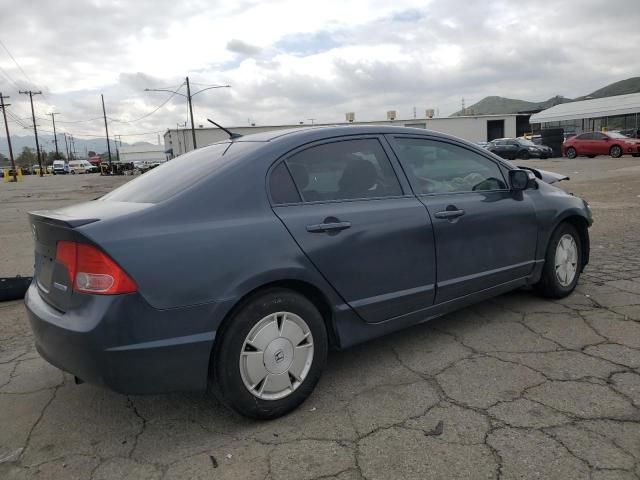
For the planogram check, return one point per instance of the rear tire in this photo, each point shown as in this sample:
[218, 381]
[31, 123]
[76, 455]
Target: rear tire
[562, 263]
[270, 356]
[571, 153]
[615, 151]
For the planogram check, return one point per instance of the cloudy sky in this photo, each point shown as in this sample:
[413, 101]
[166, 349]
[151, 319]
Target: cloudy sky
[290, 60]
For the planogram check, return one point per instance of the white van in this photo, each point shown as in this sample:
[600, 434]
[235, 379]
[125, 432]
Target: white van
[81, 166]
[60, 167]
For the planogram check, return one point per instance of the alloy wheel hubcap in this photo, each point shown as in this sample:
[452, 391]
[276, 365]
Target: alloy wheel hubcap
[276, 356]
[566, 260]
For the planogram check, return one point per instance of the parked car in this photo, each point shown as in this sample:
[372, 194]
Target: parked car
[81, 166]
[60, 167]
[600, 143]
[631, 132]
[239, 264]
[526, 145]
[504, 147]
[522, 147]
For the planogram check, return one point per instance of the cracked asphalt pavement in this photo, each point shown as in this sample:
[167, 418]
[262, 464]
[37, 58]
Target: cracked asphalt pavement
[515, 387]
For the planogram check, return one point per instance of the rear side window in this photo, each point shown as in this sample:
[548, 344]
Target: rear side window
[178, 174]
[344, 170]
[439, 167]
[281, 186]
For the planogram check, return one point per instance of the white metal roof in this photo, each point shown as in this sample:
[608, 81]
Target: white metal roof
[595, 108]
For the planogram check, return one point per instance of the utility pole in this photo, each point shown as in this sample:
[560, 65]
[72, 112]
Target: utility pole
[106, 129]
[193, 129]
[55, 137]
[118, 138]
[3, 106]
[43, 154]
[35, 129]
[66, 144]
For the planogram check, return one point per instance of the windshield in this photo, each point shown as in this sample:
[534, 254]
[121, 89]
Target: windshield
[616, 135]
[178, 174]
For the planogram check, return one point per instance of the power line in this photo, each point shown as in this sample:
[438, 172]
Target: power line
[9, 78]
[15, 61]
[147, 114]
[72, 121]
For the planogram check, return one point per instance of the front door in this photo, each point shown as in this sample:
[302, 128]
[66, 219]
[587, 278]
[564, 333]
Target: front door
[369, 239]
[485, 234]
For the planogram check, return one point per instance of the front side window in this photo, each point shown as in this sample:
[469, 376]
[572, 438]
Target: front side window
[344, 170]
[439, 167]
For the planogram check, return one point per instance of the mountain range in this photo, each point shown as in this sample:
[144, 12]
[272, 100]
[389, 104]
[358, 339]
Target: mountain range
[501, 105]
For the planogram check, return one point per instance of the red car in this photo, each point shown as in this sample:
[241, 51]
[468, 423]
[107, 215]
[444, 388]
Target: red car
[597, 143]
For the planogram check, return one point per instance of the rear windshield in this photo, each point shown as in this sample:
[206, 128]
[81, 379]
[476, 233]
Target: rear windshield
[176, 175]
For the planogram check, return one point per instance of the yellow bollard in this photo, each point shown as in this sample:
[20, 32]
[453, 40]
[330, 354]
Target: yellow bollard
[20, 178]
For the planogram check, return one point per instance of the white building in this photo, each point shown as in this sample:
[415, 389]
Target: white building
[142, 153]
[474, 128]
[620, 112]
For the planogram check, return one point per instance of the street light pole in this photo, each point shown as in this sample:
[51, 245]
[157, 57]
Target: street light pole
[106, 129]
[66, 145]
[55, 137]
[193, 128]
[189, 97]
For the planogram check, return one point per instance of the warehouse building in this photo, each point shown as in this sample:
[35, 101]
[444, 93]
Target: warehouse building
[143, 152]
[608, 113]
[474, 128]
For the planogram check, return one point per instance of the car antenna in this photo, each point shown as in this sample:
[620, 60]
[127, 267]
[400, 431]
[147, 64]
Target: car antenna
[229, 132]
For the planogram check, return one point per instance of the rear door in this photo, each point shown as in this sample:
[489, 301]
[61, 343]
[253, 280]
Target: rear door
[600, 143]
[485, 234]
[367, 235]
[585, 144]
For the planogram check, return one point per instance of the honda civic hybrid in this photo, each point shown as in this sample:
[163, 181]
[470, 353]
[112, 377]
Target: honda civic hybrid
[239, 265]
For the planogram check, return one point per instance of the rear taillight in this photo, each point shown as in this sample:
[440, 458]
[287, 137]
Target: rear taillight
[92, 271]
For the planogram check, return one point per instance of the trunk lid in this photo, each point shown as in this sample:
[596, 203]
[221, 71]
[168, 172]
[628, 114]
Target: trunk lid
[51, 226]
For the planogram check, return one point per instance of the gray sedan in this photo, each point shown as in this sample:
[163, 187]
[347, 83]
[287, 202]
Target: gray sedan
[238, 265]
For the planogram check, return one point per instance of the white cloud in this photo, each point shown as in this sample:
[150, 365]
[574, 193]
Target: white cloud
[289, 60]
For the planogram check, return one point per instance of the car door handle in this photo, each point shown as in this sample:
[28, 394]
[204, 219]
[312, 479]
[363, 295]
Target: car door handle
[449, 214]
[328, 227]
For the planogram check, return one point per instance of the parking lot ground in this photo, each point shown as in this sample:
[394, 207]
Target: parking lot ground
[515, 387]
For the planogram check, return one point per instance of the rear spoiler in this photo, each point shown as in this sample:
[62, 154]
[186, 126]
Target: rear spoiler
[55, 218]
[546, 176]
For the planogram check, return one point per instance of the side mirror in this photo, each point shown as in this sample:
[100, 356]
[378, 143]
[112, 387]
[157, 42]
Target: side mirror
[519, 180]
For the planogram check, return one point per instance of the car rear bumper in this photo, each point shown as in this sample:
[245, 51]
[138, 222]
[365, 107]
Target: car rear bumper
[123, 343]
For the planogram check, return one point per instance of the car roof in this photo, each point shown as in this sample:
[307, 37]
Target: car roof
[319, 132]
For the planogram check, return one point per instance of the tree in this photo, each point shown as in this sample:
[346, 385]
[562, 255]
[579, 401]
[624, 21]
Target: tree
[3, 158]
[27, 157]
[91, 153]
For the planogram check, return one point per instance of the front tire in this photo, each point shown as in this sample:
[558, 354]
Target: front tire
[524, 155]
[571, 153]
[271, 354]
[562, 264]
[615, 151]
